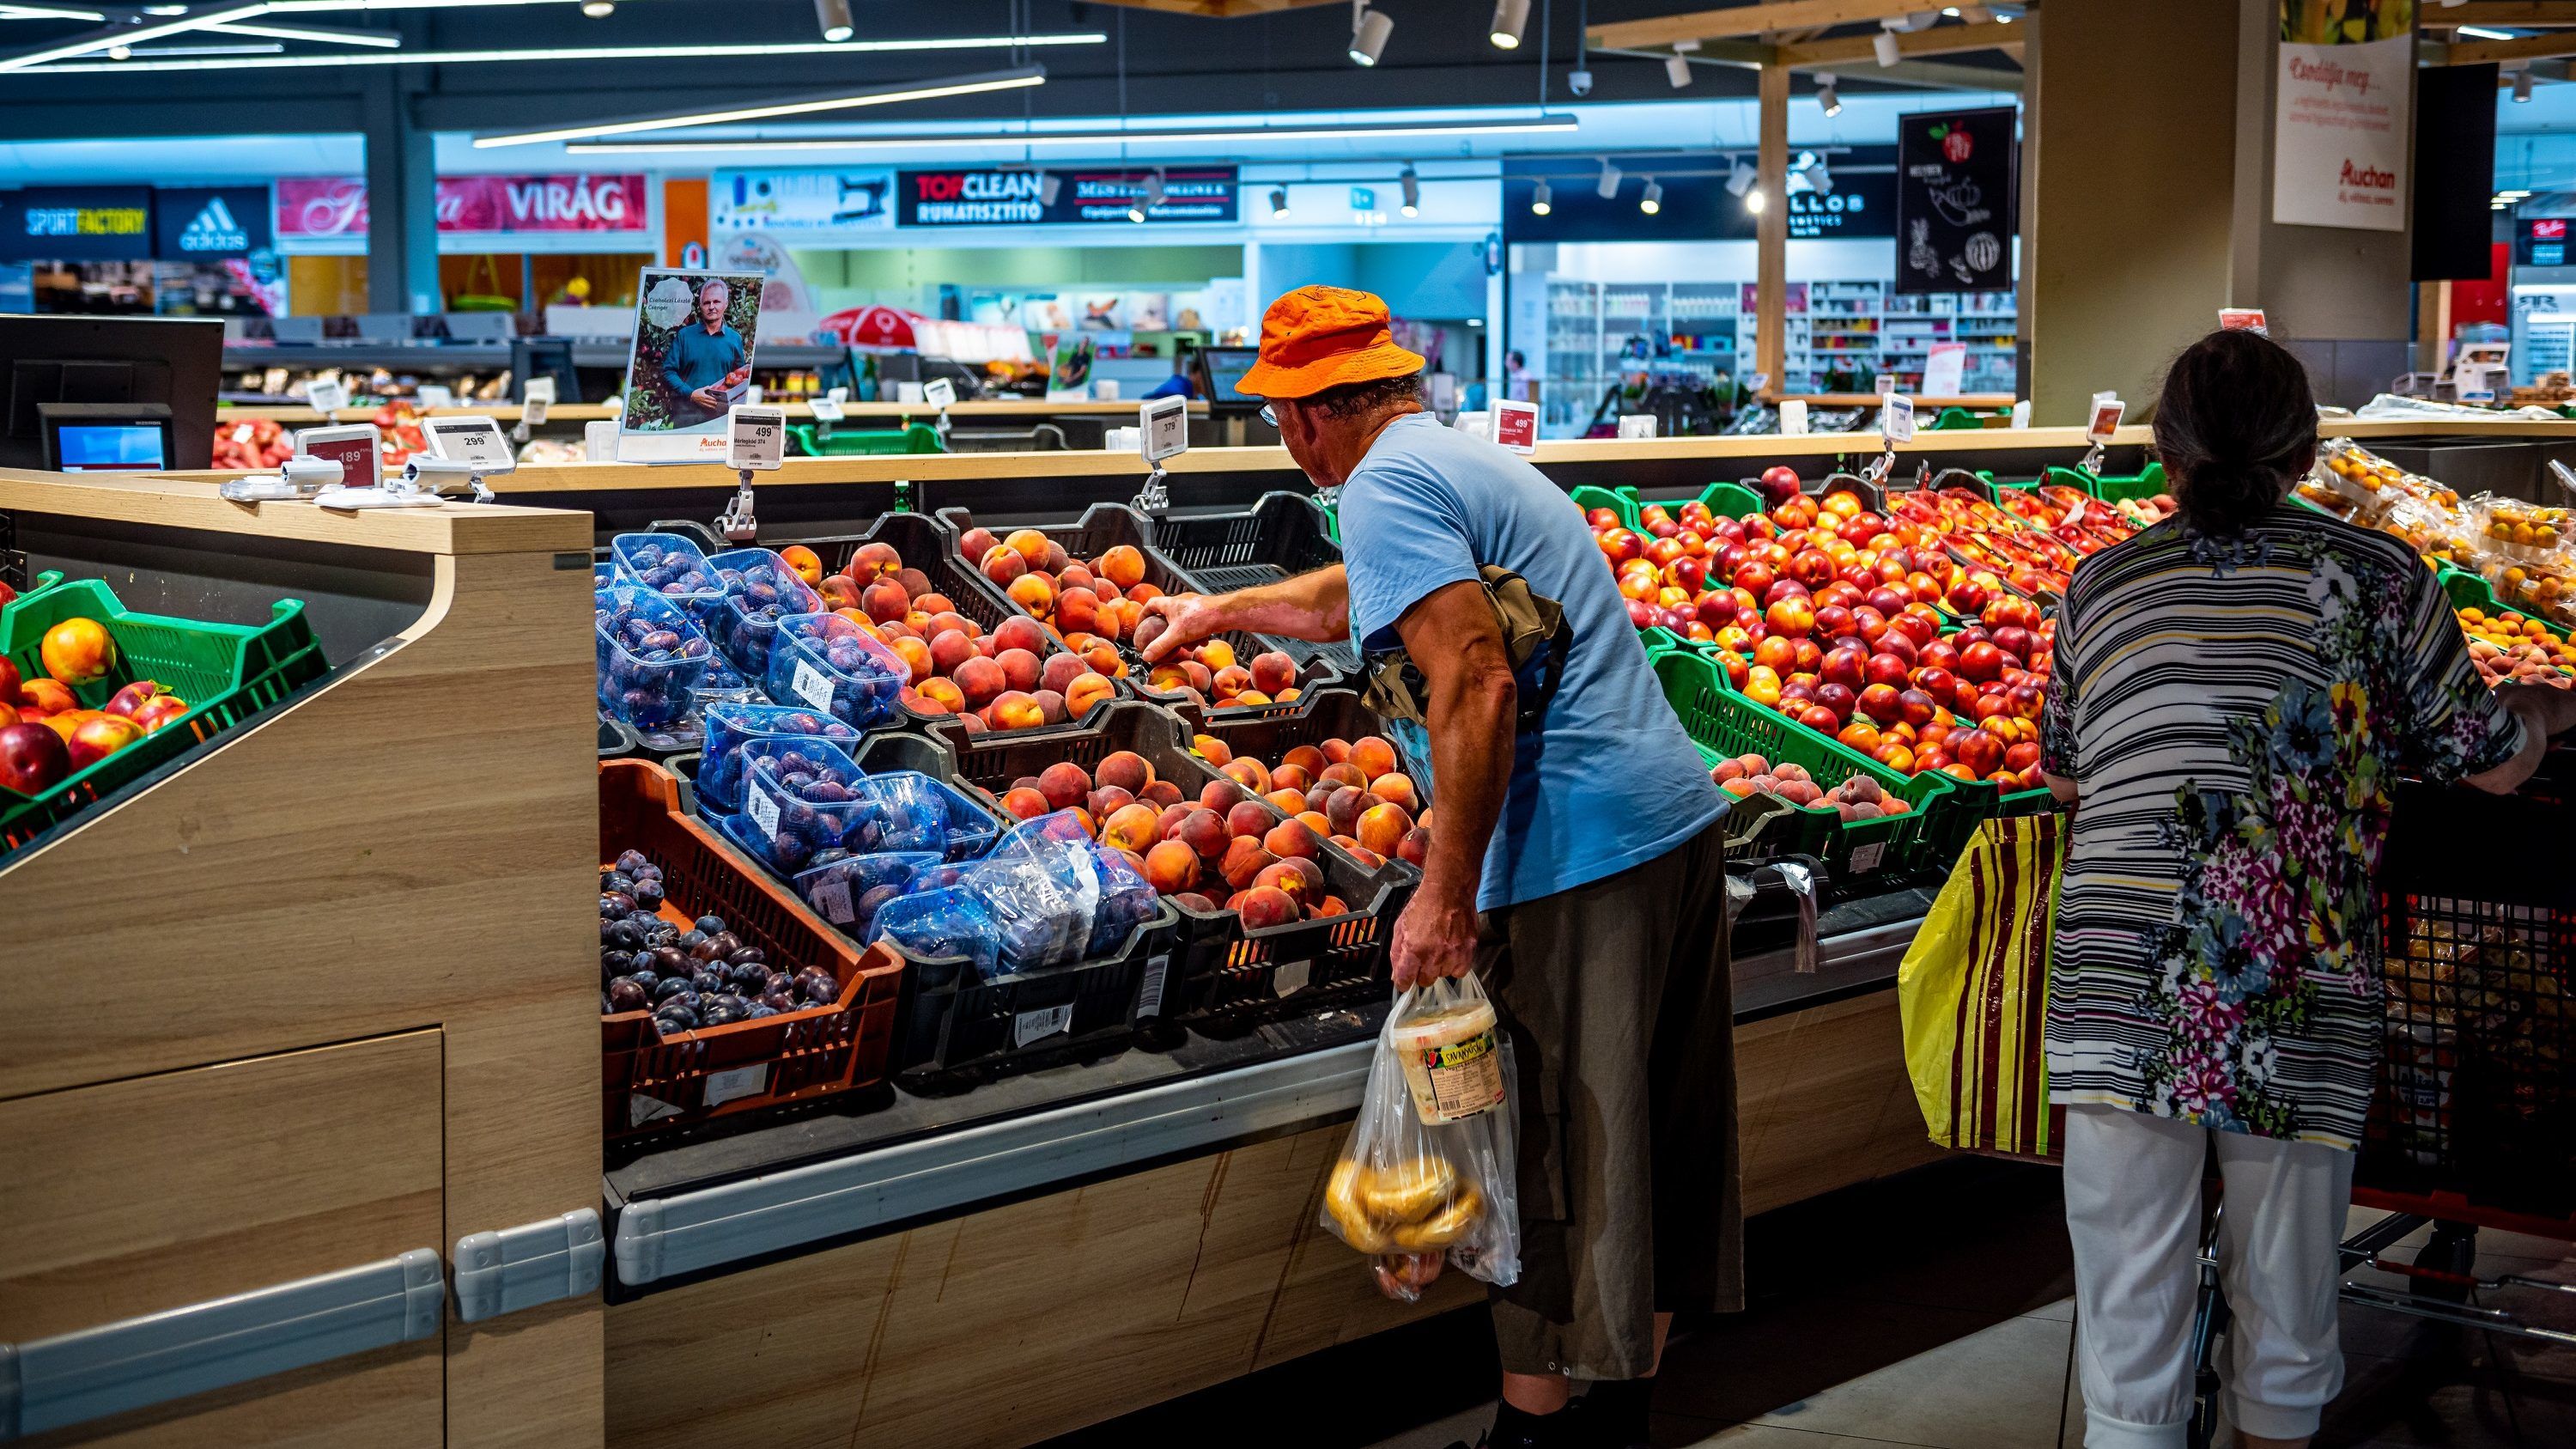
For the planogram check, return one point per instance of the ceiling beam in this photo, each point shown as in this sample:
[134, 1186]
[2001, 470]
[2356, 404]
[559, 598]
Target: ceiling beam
[2530, 13]
[2529, 47]
[1913, 45]
[1763, 19]
[1219, 9]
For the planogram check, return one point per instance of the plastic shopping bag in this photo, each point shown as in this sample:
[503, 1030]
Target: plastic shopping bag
[1428, 1173]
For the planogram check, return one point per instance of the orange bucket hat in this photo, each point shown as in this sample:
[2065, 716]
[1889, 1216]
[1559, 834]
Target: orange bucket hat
[1323, 337]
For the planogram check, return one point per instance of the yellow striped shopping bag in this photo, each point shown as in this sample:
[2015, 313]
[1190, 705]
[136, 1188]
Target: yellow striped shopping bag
[1973, 991]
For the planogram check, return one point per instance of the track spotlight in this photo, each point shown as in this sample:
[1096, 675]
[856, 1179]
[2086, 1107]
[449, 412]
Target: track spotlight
[1050, 186]
[1828, 98]
[2522, 85]
[1154, 189]
[1412, 190]
[1812, 169]
[1279, 203]
[1369, 30]
[1542, 200]
[1652, 199]
[1511, 17]
[1885, 46]
[1741, 179]
[1754, 201]
[834, 17]
[599, 9]
[1609, 187]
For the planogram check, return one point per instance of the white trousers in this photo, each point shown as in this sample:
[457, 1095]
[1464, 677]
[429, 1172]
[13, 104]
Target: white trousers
[2133, 1211]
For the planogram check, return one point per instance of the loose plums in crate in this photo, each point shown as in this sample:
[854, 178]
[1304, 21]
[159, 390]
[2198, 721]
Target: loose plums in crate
[689, 976]
[651, 658]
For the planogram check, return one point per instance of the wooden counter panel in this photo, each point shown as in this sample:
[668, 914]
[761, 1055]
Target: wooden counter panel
[384, 1399]
[1327, 1295]
[1823, 1101]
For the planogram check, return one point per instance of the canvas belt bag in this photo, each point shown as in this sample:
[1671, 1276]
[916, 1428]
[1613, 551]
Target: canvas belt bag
[1533, 625]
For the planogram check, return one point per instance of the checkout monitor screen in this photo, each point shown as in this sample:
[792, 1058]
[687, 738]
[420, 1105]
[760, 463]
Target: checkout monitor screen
[1225, 366]
[112, 447]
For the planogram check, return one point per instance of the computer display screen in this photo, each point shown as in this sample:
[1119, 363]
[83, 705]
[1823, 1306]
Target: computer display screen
[112, 447]
[1223, 368]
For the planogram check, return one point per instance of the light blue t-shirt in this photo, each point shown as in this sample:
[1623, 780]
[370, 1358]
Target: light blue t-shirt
[1608, 780]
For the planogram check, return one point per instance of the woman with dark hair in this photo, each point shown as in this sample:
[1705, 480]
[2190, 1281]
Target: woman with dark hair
[2233, 693]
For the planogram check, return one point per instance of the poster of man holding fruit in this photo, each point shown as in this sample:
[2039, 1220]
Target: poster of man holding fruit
[694, 335]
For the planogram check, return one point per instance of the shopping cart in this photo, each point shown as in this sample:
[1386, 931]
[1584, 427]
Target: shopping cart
[2474, 1121]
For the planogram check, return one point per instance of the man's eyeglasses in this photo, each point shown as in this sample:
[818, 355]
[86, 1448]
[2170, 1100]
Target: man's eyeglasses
[1268, 416]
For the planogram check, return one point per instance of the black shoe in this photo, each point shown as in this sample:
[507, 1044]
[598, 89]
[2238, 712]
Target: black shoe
[1589, 1429]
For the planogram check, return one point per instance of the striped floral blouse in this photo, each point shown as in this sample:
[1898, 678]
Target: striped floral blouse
[2235, 710]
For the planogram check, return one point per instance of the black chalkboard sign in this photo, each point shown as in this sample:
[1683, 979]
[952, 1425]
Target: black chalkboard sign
[1958, 203]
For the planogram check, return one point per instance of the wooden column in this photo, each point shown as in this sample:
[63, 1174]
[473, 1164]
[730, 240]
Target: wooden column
[2433, 326]
[1771, 231]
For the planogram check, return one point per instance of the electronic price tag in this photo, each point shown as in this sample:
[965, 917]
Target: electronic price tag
[358, 448]
[830, 407]
[537, 395]
[2243, 319]
[1896, 419]
[755, 441]
[1637, 425]
[1516, 426]
[1162, 431]
[1757, 383]
[1885, 384]
[2099, 426]
[433, 397]
[940, 393]
[327, 397]
[472, 440]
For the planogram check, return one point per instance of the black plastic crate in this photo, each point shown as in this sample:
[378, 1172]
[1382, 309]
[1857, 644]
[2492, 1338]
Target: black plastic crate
[1283, 535]
[948, 1021]
[2477, 1089]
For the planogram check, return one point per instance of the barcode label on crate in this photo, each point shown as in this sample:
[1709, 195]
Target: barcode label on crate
[764, 811]
[1149, 1002]
[813, 686]
[723, 1087]
[1030, 1026]
[832, 898]
[1291, 977]
[1864, 858]
[641, 1109]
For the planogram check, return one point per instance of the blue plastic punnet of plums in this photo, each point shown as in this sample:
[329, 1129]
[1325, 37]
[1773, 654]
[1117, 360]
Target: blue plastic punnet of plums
[941, 921]
[849, 892]
[666, 563]
[732, 724]
[759, 590]
[827, 662]
[651, 658]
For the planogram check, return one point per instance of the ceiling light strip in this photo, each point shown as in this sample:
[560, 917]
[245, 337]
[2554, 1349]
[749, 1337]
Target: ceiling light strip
[50, 12]
[1129, 137]
[1009, 80]
[374, 39]
[585, 52]
[98, 40]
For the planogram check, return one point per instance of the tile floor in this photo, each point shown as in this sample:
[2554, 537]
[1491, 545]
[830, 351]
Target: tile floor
[1932, 1310]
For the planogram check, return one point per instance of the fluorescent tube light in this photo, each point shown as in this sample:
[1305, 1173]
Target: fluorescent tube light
[886, 95]
[579, 52]
[373, 39]
[2480, 32]
[248, 47]
[1122, 136]
[50, 12]
[128, 35]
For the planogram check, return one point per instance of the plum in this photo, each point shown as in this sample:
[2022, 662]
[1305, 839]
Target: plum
[710, 924]
[625, 995]
[669, 987]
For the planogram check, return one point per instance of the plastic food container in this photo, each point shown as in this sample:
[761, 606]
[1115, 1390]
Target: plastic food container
[667, 564]
[759, 590]
[1452, 1060]
[651, 658]
[804, 798]
[849, 892]
[829, 663]
[731, 724]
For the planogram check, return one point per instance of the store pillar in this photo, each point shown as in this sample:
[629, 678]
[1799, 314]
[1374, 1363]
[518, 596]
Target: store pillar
[402, 203]
[1771, 232]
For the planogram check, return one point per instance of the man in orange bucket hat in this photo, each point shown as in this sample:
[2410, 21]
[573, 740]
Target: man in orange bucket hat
[1576, 860]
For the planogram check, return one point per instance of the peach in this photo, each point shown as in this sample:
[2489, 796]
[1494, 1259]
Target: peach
[1026, 803]
[838, 591]
[1273, 671]
[884, 600]
[1221, 794]
[1336, 751]
[916, 659]
[1132, 828]
[1161, 792]
[1103, 658]
[1368, 859]
[1077, 608]
[1064, 783]
[916, 584]
[1249, 818]
[1125, 769]
[1203, 830]
[1249, 773]
[1107, 800]
[878, 558]
[1167, 679]
[1111, 621]
[1344, 807]
[1309, 876]
[979, 680]
[1193, 901]
[1316, 795]
[1416, 846]
[1030, 544]
[1230, 681]
[1217, 654]
[1344, 773]
[99, 736]
[1017, 632]
[947, 619]
[945, 694]
[1289, 838]
[1060, 671]
[1211, 749]
[977, 542]
[1171, 867]
[1200, 676]
[1167, 824]
[1382, 827]
[1289, 802]
[1086, 691]
[935, 604]
[1314, 820]
[1249, 699]
[1012, 710]
[1372, 756]
[1244, 859]
[1033, 593]
[1020, 667]
[1306, 758]
[1266, 906]
[1395, 788]
[1124, 566]
[949, 649]
[1052, 705]
[1331, 906]
[1291, 777]
[1142, 593]
[1056, 558]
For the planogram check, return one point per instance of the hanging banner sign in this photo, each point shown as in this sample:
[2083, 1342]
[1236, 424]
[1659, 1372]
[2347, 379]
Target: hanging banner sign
[801, 203]
[1019, 198]
[2342, 117]
[1958, 203]
[77, 224]
[336, 206]
[210, 222]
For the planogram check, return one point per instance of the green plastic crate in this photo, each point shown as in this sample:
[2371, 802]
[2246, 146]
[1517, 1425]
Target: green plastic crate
[1954, 418]
[1725, 724]
[1726, 500]
[2467, 590]
[814, 442]
[1585, 498]
[228, 673]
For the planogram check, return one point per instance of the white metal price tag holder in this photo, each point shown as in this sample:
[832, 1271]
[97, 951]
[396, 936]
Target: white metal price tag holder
[1162, 431]
[1895, 425]
[755, 442]
[2099, 425]
[534, 399]
[940, 393]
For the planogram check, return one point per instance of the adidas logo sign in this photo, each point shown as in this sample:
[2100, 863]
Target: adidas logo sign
[214, 230]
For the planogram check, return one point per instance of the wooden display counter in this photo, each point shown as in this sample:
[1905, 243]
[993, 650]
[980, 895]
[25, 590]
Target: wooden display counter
[504, 412]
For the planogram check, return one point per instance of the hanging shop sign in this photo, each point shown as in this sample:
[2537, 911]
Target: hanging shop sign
[2342, 115]
[77, 224]
[936, 199]
[801, 203]
[210, 222]
[1856, 202]
[321, 207]
[1957, 201]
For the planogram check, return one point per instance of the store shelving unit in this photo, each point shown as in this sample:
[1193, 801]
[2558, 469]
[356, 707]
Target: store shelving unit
[1983, 321]
[1600, 332]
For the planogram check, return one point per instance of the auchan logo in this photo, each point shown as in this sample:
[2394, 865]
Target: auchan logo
[2367, 176]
